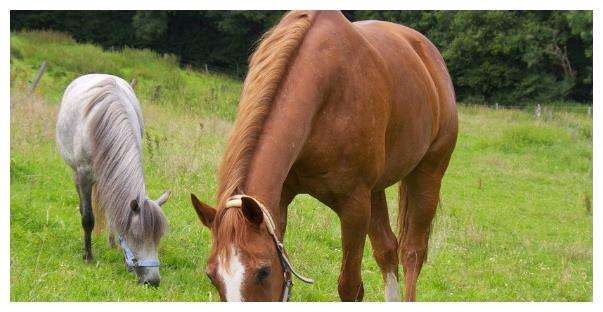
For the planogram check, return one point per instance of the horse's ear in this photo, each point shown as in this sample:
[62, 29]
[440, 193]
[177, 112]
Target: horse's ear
[205, 212]
[251, 210]
[163, 198]
[134, 205]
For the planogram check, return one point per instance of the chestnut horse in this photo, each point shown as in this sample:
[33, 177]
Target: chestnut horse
[340, 111]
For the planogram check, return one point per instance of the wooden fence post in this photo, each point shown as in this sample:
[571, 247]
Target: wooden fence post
[39, 74]
[156, 93]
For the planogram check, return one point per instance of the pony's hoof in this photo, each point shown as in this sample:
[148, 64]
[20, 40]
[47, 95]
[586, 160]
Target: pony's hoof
[112, 243]
[88, 258]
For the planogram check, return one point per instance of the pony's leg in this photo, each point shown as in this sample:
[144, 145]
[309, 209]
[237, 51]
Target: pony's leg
[423, 187]
[112, 243]
[385, 245]
[84, 187]
[354, 214]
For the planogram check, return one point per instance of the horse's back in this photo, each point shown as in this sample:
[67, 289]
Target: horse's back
[82, 99]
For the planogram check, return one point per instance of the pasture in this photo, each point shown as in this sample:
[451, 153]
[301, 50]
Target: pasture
[515, 222]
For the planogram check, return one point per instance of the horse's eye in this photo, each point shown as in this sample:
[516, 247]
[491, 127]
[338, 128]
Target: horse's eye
[263, 273]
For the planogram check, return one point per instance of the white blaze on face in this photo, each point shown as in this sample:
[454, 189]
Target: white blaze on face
[392, 290]
[232, 275]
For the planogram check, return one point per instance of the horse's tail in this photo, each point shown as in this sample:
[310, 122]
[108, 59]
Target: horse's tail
[402, 217]
[98, 212]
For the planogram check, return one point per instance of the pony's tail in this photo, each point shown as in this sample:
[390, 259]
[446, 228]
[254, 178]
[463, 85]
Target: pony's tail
[402, 217]
[100, 222]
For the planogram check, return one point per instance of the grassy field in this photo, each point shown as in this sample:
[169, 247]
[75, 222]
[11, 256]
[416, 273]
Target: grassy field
[515, 222]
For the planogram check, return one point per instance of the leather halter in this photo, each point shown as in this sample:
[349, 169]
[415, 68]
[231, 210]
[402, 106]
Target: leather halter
[235, 201]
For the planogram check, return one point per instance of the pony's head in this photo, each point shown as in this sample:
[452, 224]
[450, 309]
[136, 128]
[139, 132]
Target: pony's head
[140, 239]
[245, 263]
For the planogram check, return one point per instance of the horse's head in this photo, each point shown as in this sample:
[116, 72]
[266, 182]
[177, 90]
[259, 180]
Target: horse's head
[245, 263]
[140, 239]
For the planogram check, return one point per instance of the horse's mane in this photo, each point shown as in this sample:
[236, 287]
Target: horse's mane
[229, 231]
[267, 67]
[117, 160]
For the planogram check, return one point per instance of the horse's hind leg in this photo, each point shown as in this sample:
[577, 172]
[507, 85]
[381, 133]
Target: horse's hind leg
[385, 245]
[421, 199]
[84, 188]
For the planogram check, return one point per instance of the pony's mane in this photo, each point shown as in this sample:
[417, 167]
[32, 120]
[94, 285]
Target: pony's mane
[117, 160]
[267, 67]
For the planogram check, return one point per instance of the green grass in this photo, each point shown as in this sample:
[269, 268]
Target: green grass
[159, 79]
[514, 223]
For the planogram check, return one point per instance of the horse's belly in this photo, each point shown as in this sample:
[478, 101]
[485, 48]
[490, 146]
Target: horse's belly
[345, 152]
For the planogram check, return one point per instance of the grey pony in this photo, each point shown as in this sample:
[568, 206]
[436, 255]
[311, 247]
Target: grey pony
[99, 134]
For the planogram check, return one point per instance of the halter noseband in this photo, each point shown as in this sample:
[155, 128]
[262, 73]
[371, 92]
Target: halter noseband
[235, 201]
[131, 261]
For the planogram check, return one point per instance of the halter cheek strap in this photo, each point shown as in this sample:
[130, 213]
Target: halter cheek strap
[235, 201]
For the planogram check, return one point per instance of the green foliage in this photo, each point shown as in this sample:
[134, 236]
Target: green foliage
[509, 56]
[221, 39]
[493, 56]
[150, 25]
[514, 224]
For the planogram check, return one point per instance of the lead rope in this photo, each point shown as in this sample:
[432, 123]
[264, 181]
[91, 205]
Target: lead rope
[235, 201]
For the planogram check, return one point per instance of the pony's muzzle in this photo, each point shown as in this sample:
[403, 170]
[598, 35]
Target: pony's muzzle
[152, 282]
[148, 276]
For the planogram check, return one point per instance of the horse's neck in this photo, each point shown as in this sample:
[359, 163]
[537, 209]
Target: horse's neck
[283, 136]
[126, 188]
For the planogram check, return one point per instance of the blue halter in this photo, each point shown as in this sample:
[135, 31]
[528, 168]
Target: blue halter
[131, 261]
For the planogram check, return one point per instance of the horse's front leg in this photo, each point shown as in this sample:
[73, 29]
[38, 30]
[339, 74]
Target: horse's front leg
[84, 187]
[354, 214]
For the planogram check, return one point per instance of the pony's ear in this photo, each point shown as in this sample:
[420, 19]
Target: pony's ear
[251, 210]
[134, 205]
[205, 212]
[163, 198]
